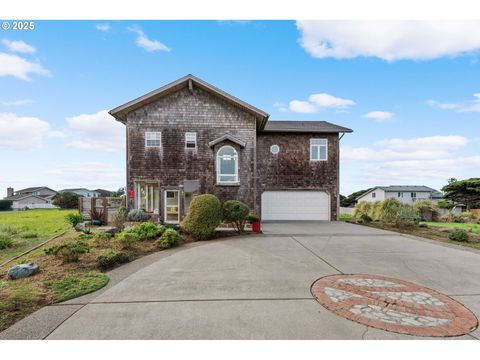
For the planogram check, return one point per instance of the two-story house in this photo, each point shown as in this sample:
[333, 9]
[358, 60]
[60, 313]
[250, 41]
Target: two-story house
[189, 137]
[407, 194]
[32, 197]
[82, 192]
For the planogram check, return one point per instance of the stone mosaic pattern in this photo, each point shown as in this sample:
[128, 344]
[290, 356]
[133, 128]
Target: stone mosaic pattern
[414, 297]
[393, 305]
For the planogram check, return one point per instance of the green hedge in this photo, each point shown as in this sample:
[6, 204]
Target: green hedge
[203, 217]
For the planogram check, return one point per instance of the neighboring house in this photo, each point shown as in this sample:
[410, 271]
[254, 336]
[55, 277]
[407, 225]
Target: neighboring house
[189, 137]
[82, 192]
[407, 194]
[39, 197]
[103, 192]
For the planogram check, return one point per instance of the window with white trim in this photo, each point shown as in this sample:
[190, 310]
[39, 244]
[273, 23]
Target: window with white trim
[153, 139]
[227, 165]
[318, 149]
[190, 140]
[374, 195]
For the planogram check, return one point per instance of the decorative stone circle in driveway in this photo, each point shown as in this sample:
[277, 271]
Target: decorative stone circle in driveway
[393, 305]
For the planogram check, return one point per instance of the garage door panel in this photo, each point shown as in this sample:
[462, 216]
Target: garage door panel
[295, 205]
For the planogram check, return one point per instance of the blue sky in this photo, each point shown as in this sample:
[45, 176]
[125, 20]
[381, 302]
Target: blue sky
[406, 88]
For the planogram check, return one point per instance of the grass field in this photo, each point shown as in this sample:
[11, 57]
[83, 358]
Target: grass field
[29, 228]
[475, 228]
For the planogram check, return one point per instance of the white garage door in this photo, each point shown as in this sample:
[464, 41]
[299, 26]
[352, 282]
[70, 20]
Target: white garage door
[295, 205]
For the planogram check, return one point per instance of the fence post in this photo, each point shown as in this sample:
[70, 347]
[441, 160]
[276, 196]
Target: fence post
[105, 211]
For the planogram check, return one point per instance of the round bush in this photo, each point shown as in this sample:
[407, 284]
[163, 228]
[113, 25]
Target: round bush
[170, 238]
[236, 213]
[458, 235]
[203, 216]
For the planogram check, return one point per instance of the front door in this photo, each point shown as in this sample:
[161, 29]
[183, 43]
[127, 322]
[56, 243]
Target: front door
[172, 207]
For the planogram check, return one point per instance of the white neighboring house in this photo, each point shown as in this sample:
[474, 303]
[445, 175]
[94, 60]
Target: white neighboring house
[39, 197]
[407, 194]
[83, 192]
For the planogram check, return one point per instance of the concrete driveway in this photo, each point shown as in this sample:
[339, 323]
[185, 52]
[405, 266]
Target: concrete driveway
[255, 287]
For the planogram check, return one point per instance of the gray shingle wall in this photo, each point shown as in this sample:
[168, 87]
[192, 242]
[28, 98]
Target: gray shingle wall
[291, 168]
[171, 164]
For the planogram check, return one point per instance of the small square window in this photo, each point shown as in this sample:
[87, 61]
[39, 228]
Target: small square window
[190, 140]
[318, 149]
[374, 195]
[153, 139]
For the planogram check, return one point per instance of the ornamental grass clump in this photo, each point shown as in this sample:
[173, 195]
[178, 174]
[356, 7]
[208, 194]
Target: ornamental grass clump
[203, 217]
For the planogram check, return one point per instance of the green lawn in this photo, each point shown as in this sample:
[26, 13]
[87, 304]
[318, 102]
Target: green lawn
[466, 226]
[29, 228]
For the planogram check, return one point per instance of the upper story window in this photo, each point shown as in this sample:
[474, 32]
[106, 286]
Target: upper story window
[227, 165]
[153, 139]
[400, 194]
[374, 195]
[413, 194]
[190, 140]
[318, 149]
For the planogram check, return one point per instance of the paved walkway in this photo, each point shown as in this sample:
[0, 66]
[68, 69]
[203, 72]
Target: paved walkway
[255, 287]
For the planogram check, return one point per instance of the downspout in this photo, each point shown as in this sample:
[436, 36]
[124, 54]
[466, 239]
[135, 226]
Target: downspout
[338, 176]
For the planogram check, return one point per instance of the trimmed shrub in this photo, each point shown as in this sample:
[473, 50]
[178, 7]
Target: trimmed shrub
[126, 240]
[6, 205]
[458, 235]
[137, 215]
[74, 219]
[203, 216]
[235, 212]
[69, 251]
[145, 231]
[427, 210]
[109, 259]
[5, 241]
[169, 239]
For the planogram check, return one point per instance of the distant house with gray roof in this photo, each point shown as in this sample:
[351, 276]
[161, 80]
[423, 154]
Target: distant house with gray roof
[82, 192]
[407, 194]
[38, 197]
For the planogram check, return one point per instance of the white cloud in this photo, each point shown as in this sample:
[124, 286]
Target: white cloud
[415, 161]
[280, 107]
[103, 27]
[465, 106]
[87, 174]
[56, 134]
[98, 131]
[19, 67]
[18, 46]
[144, 42]
[18, 102]
[318, 102]
[379, 116]
[389, 40]
[21, 133]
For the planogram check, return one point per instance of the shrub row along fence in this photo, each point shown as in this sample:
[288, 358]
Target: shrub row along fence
[100, 208]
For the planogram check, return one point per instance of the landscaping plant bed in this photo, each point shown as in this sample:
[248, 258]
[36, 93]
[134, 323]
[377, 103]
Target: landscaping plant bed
[428, 232]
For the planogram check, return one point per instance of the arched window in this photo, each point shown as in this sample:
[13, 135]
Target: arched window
[227, 165]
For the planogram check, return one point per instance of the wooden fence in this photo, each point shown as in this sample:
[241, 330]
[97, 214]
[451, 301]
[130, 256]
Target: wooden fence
[106, 206]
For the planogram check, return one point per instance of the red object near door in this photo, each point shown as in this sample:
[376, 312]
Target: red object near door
[131, 194]
[256, 226]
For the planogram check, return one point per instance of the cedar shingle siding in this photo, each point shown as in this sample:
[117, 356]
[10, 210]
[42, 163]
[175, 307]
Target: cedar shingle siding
[198, 109]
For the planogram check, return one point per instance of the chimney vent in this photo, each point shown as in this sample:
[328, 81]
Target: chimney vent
[10, 191]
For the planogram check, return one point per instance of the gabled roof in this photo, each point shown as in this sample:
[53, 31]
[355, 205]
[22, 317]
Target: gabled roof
[33, 189]
[405, 188]
[304, 126]
[120, 113]
[22, 196]
[70, 190]
[227, 137]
